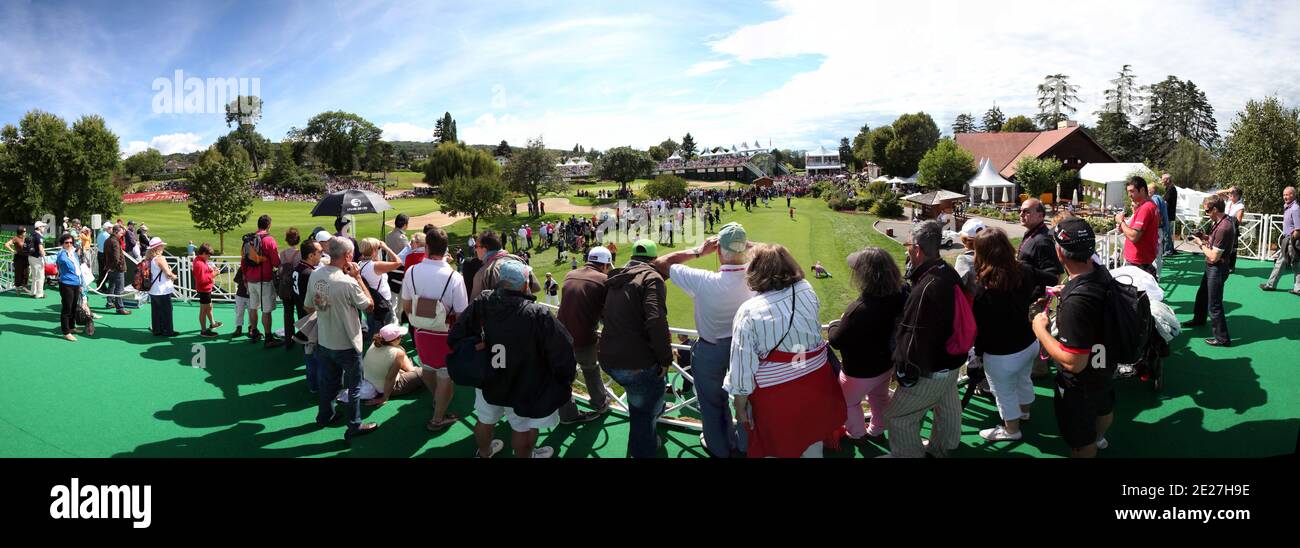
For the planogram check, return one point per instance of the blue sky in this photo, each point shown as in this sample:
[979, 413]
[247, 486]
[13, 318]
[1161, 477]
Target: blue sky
[605, 74]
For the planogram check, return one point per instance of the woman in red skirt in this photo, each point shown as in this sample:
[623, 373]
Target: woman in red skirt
[786, 392]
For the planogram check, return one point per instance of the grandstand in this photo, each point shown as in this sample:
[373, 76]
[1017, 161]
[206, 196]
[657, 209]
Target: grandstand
[744, 163]
[574, 168]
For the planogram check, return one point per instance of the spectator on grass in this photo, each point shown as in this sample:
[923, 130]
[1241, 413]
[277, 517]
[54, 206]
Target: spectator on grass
[203, 282]
[635, 348]
[538, 364]
[1003, 291]
[717, 296]
[161, 288]
[260, 277]
[864, 335]
[311, 253]
[785, 391]
[580, 310]
[924, 368]
[336, 293]
[433, 279]
[69, 268]
[389, 372]
[1084, 398]
[1142, 231]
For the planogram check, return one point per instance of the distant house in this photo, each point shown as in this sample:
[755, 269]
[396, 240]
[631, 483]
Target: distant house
[174, 166]
[1069, 144]
[501, 160]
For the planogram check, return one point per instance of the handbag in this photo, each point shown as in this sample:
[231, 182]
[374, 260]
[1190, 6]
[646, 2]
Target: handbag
[470, 361]
[428, 314]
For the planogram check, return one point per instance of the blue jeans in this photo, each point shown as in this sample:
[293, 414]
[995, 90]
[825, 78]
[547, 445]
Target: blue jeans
[339, 369]
[1209, 300]
[1168, 232]
[313, 372]
[645, 401]
[709, 364]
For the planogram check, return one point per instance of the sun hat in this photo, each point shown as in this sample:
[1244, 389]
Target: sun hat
[599, 255]
[392, 331]
[732, 237]
[156, 242]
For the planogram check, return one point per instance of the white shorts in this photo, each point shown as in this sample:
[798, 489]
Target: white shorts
[491, 414]
[261, 296]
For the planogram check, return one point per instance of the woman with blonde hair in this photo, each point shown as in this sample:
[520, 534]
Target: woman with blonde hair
[864, 335]
[786, 394]
[375, 273]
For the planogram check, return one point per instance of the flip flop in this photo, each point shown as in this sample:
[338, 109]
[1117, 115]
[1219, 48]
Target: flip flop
[447, 420]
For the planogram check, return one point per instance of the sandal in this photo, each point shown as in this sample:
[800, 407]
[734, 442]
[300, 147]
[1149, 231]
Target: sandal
[447, 420]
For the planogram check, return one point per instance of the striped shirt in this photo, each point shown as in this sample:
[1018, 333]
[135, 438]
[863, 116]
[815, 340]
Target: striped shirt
[760, 324]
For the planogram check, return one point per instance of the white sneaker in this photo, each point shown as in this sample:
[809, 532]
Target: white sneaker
[497, 446]
[1102, 443]
[998, 433]
[543, 452]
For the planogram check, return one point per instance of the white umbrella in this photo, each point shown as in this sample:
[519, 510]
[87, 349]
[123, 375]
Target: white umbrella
[986, 194]
[1076, 195]
[1006, 194]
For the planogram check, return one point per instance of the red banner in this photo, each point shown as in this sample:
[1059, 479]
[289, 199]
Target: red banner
[160, 196]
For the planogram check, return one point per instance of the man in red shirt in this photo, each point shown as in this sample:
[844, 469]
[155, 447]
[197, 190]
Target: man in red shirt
[261, 280]
[1142, 231]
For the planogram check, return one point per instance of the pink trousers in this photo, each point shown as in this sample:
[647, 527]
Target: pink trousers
[876, 391]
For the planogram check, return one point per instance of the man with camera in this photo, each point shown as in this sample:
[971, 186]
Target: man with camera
[1219, 246]
[1085, 394]
[1288, 244]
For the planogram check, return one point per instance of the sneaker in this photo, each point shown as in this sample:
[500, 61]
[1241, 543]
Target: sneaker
[1124, 371]
[1294, 292]
[208, 333]
[1216, 342]
[998, 433]
[69, 337]
[239, 330]
[583, 416]
[543, 452]
[272, 342]
[1265, 287]
[123, 312]
[367, 428]
[1102, 443]
[497, 446]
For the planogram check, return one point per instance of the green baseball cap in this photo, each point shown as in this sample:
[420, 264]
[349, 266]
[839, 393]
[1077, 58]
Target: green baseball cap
[645, 248]
[732, 237]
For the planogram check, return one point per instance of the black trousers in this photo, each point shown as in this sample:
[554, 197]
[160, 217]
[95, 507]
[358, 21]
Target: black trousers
[160, 307]
[69, 298]
[20, 270]
[1209, 299]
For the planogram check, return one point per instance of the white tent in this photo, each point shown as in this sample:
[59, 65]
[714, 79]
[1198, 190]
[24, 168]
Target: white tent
[880, 179]
[986, 180]
[1107, 180]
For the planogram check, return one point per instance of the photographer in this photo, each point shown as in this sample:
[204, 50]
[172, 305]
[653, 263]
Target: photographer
[1219, 247]
[1085, 394]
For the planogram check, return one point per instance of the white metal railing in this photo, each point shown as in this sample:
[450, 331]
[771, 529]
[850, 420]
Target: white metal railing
[1256, 233]
[672, 414]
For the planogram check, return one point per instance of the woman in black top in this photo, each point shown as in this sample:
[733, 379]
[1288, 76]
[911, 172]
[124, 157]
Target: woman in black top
[864, 336]
[1003, 292]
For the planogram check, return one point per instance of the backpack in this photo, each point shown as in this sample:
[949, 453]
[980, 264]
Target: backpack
[252, 249]
[284, 278]
[33, 246]
[1127, 325]
[963, 323]
[142, 281]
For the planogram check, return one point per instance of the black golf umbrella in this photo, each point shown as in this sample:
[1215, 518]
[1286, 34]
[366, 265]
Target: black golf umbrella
[350, 202]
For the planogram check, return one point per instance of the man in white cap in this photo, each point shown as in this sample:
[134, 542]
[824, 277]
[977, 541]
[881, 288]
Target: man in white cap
[581, 304]
[717, 296]
[36, 259]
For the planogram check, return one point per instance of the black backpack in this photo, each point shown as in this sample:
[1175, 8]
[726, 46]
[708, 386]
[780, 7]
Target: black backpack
[1127, 323]
[33, 245]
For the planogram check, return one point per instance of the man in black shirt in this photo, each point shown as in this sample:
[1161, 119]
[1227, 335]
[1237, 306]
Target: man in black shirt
[1084, 396]
[1039, 252]
[1217, 246]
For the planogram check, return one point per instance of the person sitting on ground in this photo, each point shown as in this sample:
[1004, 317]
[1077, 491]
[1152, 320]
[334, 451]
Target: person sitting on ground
[785, 392]
[387, 372]
[864, 335]
[538, 368]
[820, 271]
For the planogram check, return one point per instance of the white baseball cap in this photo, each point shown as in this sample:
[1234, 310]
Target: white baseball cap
[972, 227]
[323, 236]
[600, 255]
[39, 224]
[107, 225]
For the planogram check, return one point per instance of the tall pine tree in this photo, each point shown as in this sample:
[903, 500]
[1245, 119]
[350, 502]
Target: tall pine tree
[1056, 99]
[965, 123]
[993, 120]
[688, 146]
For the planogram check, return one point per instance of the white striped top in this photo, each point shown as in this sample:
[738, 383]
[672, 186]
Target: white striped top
[758, 326]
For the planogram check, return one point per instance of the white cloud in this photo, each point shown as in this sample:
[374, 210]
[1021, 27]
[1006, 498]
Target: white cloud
[404, 131]
[705, 67]
[170, 143]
